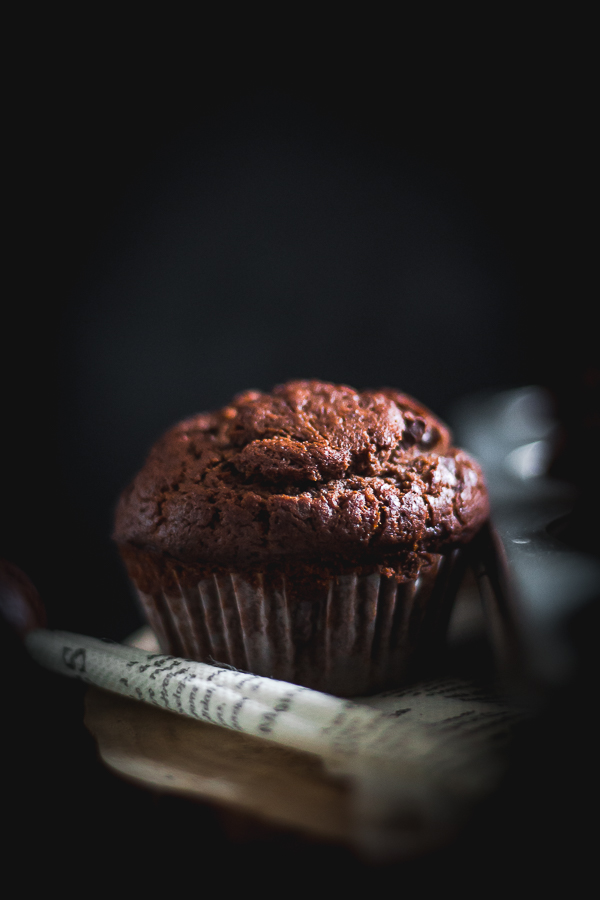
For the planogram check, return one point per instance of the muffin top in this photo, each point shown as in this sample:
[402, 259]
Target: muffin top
[311, 472]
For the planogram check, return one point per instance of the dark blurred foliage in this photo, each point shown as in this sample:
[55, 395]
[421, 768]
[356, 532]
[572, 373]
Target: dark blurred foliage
[198, 207]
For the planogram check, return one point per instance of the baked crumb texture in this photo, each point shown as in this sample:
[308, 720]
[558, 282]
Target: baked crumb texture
[310, 474]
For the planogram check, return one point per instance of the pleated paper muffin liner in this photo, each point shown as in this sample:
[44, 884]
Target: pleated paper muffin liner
[350, 635]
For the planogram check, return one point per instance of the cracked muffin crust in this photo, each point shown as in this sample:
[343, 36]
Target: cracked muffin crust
[312, 534]
[310, 472]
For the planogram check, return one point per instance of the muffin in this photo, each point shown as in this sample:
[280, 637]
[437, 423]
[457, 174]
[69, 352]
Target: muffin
[315, 534]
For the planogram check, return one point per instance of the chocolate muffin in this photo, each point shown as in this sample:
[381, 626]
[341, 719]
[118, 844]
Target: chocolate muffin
[314, 534]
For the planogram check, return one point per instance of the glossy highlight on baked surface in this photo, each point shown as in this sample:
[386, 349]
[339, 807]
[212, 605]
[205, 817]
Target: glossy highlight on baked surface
[311, 472]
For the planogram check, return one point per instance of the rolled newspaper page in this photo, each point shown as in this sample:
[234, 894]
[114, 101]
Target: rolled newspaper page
[285, 713]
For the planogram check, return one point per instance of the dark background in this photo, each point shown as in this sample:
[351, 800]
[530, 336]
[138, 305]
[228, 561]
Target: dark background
[190, 220]
[196, 211]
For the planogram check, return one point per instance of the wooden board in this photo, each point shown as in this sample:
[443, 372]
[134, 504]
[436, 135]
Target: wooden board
[166, 752]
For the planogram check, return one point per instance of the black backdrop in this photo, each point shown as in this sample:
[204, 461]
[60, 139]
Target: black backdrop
[214, 208]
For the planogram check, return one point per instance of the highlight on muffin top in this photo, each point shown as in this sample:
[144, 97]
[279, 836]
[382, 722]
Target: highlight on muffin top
[311, 470]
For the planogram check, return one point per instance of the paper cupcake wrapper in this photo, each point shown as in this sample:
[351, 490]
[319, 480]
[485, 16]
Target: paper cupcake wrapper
[350, 635]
